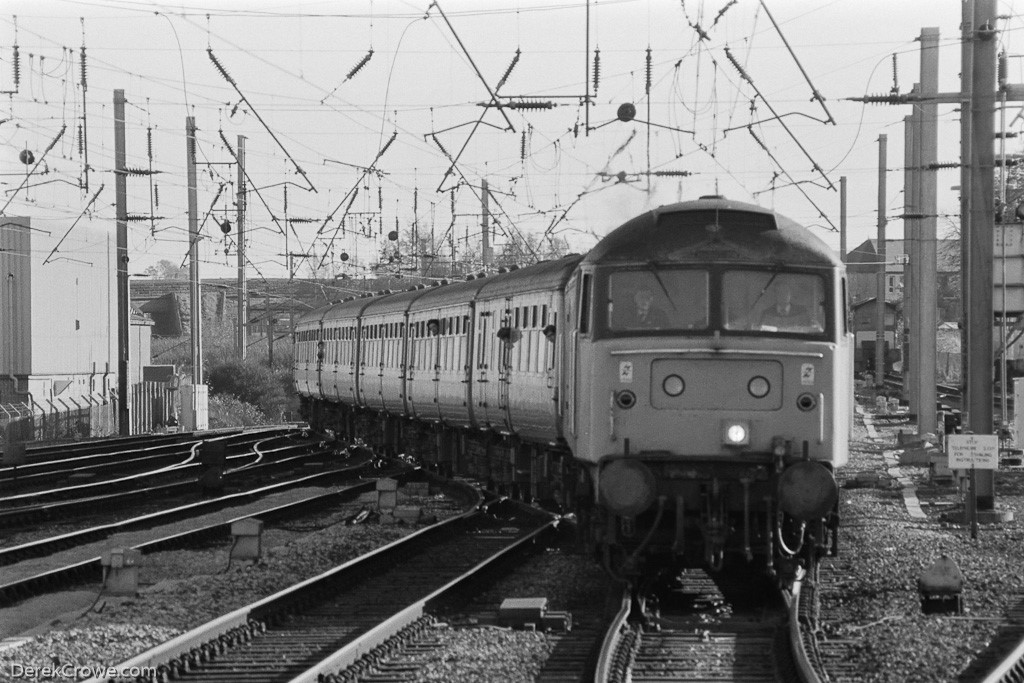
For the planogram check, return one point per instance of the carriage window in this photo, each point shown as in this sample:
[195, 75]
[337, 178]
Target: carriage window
[658, 300]
[767, 301]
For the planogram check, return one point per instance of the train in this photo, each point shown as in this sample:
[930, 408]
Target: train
[684, 388]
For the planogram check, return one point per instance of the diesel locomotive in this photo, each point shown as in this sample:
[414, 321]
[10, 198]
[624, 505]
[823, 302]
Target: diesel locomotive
[685, 387]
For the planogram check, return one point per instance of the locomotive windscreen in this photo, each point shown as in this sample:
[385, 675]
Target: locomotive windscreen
[700, 219]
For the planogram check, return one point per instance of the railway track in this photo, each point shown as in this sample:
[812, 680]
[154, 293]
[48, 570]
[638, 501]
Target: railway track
[261, 461]
[99, 468]
[314, 630]
[558, 646]
[701, 628]
[48, 545]
[36, 452]
[20, 584]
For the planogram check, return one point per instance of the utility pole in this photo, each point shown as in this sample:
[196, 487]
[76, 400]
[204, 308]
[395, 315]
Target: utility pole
[485, 223]
[923, 357]
[123, 309]
[270, 331]
[966, 130]
[243, 294]
[195, 291]
[911, 209]
[980, 246]
[883, 141]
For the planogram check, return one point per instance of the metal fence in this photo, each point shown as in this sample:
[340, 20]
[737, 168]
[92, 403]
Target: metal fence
[68, 419]
[59, 419]
[153, 404]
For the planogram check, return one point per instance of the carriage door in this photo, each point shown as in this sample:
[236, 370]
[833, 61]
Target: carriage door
[506, 338]
[482, 350]
[320, 353]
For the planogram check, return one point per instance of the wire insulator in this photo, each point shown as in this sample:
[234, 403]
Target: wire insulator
[522, 147]
[443, 151]
[736, 65]
[895, 75]
[358, 67]
[17, 67]
[81, 140]
[508, 71]
[83, 69]
[156, 196]
[597, 68]
[722, 11]
[648, 83]
[530, 104]
[149, 142]
[220, 67]
[387, 144]
[1002, 70]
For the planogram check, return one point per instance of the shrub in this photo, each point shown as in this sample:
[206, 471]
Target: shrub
[227, 411]
[250, 382]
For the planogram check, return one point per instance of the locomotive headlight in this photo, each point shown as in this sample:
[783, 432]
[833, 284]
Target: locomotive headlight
[758, 387]
[673, 385]
[735, 433]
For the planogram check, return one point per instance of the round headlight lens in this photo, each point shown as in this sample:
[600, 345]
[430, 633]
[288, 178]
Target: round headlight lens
[736, 433]
[759, 387]
[673, 385]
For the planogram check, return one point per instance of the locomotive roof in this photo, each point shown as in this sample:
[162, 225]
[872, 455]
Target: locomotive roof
[712, 229]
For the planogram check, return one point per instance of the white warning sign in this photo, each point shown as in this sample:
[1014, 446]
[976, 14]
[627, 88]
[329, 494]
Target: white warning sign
[980, 451]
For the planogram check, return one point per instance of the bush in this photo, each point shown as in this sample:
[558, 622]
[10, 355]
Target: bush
[252, 382]
[227, 411]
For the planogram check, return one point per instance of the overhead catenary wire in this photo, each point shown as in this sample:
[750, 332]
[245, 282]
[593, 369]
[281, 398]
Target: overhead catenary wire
[798, 186]
[815, 95]
[231, 81]
[61, 241]
[29, 174]
[743, 74]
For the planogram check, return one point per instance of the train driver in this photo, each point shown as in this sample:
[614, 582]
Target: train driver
[646, 314]
[786, 314]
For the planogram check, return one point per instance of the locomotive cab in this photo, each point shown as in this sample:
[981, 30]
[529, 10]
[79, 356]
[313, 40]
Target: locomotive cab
[710, 387]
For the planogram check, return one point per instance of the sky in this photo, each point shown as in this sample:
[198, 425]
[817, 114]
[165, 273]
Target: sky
[362, 117]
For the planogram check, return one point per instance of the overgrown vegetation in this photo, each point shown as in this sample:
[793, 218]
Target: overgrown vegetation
[227, 411]
[250, 391]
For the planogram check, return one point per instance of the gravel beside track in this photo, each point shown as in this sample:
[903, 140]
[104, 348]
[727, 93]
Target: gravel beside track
[182, 589]
[875, 613]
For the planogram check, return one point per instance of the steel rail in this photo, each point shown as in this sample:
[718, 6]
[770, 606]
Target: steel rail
[18, 590]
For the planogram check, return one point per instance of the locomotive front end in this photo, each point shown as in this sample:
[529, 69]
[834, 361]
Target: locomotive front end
[715, 387]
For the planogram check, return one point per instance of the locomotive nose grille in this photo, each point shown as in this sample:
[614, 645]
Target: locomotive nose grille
[717, 385]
